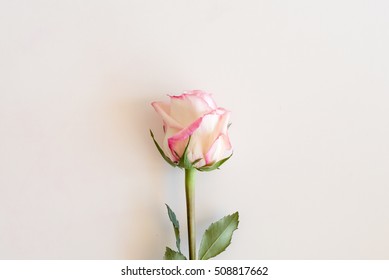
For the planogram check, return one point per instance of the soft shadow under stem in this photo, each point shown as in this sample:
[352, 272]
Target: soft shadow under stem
[190, 210]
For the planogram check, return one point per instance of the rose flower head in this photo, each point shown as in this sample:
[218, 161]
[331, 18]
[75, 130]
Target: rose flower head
[195, 131]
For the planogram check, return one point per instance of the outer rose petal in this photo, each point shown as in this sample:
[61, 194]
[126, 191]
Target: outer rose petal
[170, 132]
[207, 132]
[204, 132]
[187, 108]
[178, 142]
[163, 110]
[207, 97]
[218, 150]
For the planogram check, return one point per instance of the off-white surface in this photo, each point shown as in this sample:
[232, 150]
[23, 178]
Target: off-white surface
[308, 86]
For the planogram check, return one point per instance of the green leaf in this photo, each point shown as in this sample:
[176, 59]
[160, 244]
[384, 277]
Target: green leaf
[176, 226]
[166, 158]
[215, 165]
[218, 236]
[173, 255]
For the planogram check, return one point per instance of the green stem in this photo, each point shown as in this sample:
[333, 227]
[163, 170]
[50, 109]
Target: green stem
[190, 210]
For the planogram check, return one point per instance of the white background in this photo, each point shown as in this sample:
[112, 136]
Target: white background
[308, 86]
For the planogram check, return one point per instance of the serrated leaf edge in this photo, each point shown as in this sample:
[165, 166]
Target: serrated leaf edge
[237, 223]
[176, 226]
[175, 252]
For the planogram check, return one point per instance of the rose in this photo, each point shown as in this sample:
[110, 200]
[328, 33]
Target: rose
[196, 137]
[195, 131]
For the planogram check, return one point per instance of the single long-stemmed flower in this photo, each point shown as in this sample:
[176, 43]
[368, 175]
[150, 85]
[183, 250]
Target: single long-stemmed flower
[196, 138]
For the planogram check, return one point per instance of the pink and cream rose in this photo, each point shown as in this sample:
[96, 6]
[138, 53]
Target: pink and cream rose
[195, 115]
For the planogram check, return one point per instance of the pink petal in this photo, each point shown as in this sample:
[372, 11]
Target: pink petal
[188, 107]
[204, 132]
[218, 141]
[207, 97]
[177, 144]
[219, 149]
[163, 109]
[170, 132]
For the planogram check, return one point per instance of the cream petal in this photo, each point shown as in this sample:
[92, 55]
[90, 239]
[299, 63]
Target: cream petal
[220, 149]
[187, 108]
[163, 109]
[207, 97]
[178, 142]
[203, 138]
[212, 125]
[170, 132]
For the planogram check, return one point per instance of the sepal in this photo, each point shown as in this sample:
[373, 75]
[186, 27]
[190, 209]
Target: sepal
[184, 162]
[176, 226]
[166, 158]
[215, 165]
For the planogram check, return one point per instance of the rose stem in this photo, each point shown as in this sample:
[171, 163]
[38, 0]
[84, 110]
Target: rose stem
[190, 210]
